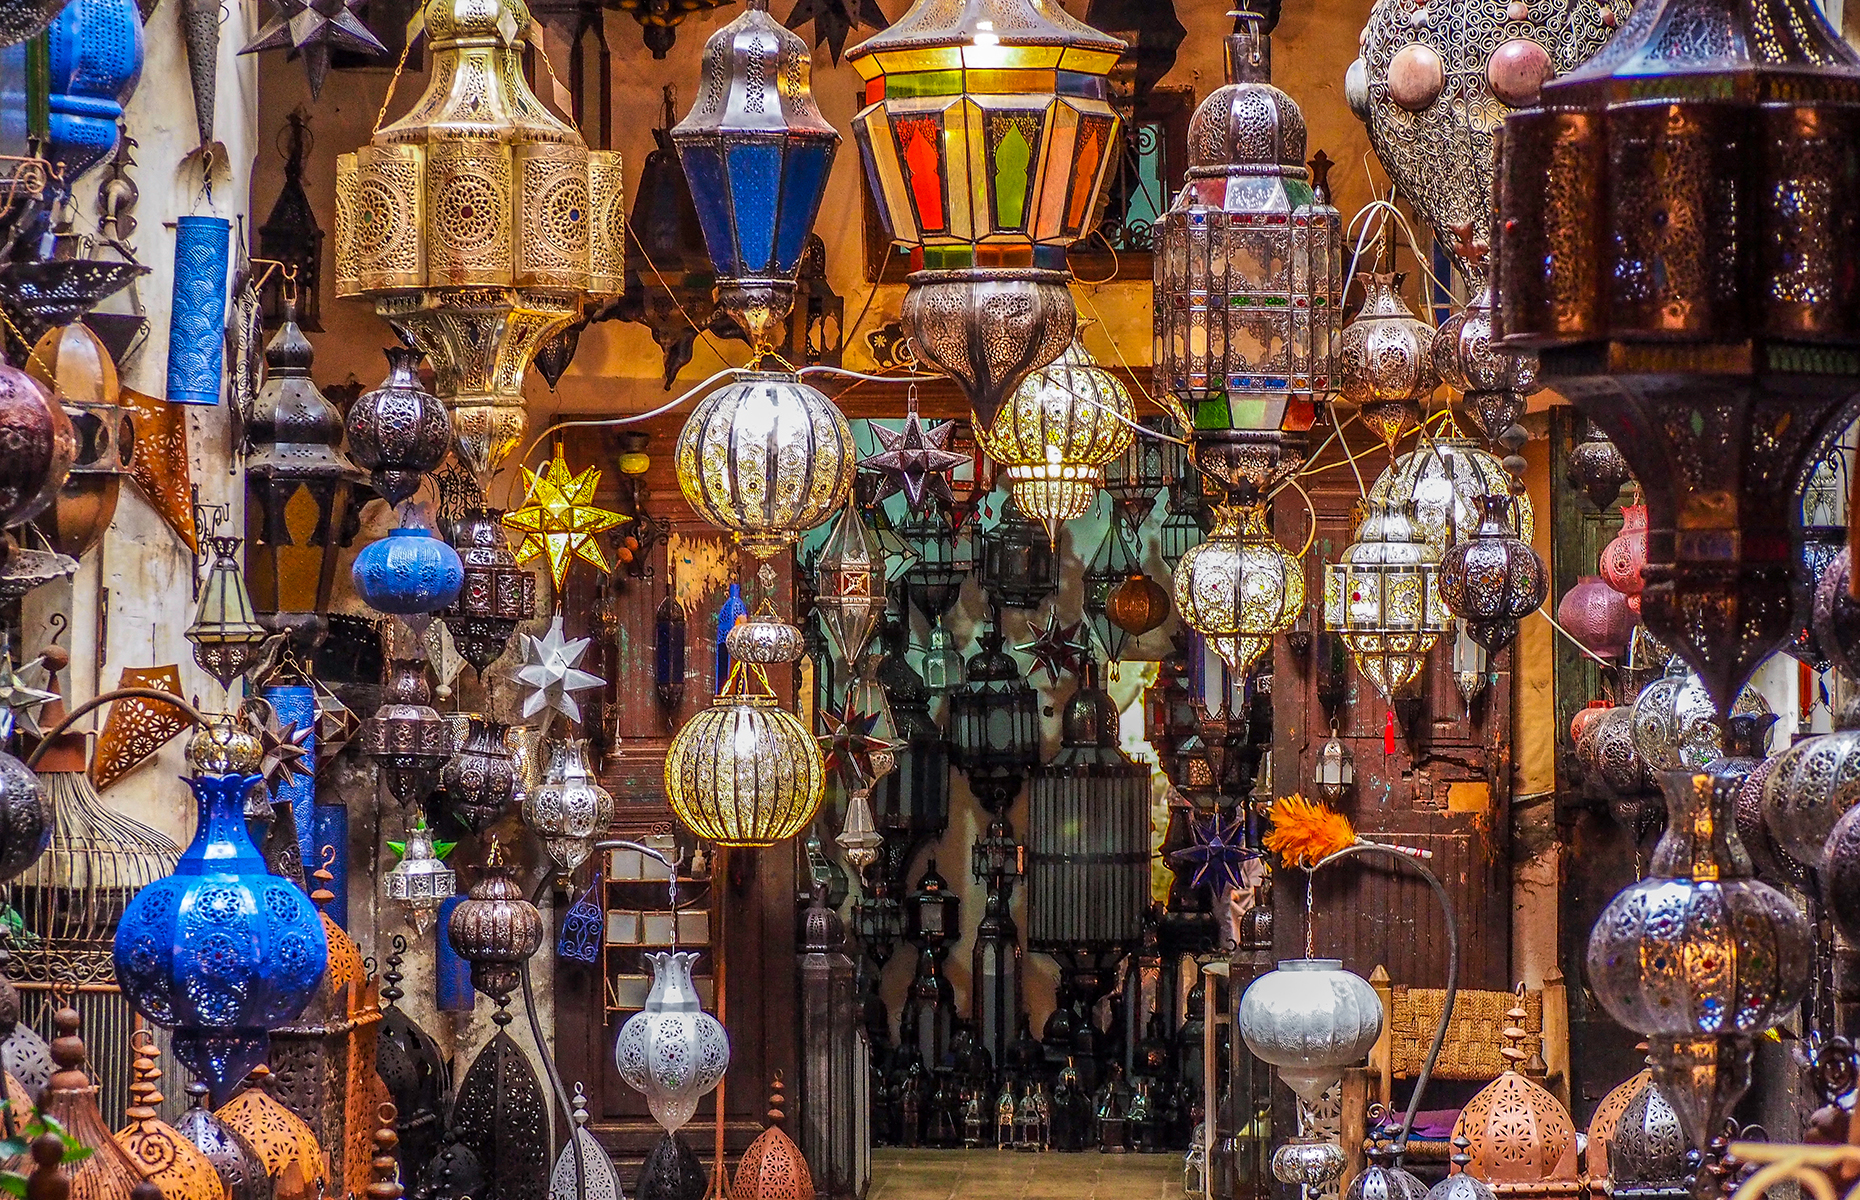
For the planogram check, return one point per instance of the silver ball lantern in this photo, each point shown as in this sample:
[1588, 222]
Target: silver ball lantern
[1812, 784]
[1309, 1164]
[1311, 1019]
[570, 808]
[1676, 722]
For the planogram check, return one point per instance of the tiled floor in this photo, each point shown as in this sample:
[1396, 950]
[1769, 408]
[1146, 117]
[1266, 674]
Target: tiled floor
[1008, 1175]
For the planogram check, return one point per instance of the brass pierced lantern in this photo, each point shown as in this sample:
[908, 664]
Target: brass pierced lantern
[988, 136]
[1249, 275]
[849, 585]
[1056, 433]
[756, 152]
[1240, 588]
[478, 223]
[1385, 363]
[1383, 599]
[744, 772]
[1445, 482]
[226, 633]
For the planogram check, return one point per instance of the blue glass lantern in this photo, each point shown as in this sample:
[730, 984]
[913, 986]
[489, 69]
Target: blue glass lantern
[222, 950]
[197, 327]
[96, 59]
[410, 572]
[757, 152]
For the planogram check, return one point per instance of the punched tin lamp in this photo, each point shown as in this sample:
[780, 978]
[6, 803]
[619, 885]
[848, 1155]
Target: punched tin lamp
[1240, 588]
[744, 772]
[987, 136]
[756, 151]
[478, 223]
[1384, 599]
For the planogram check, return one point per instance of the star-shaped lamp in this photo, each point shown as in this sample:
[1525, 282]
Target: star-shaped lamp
[313, 28]
[560, 519]
[1219, 852]
[914, 461]
[336, 724]
[550, 673]
[19, 704]
[1056, 649]
[282, 744]
[856, 747]
[834, 19]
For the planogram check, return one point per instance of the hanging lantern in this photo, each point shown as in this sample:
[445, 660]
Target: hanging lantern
[1249, 274]
[481, 778]
[1625, 556]
[1383, 597]
[1676, 724]
[241, 1172]
[1056, 432]
[1597, 469]
[226, 633]
[421, 879]
[767, 457]
[1597, 616]
[571, 808]
[1811, 786]
[988, 137]
[1020, 567]
[672, 1051]
[1335, 774]
[410, 573]
[73, 364]
[756, 151]
[1240, 584]
[1110, 566]
[1385, 362]
[222, 950]
[1471, 662]
[478, 224]
[849, 587]
[495, 928]
[994, 724]
[1816, 553]
[197, 331]
[41, 443]
[744, 772]
[1492, 580]
[1311, 1019]
[1699, 957]
[668, 653]
[406, 736]
[1495, 384]
[1445, 481]
[495, 594]
[1136, 477]
[398, 431]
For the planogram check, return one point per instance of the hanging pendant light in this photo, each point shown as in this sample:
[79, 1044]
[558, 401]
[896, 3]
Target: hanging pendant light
[1493, 579]
[495, 594]
[1597, 469]
[1675, 722]
[1385, 363]
[225, 632]
[496, 929]
[1311, 1019]
[571, 808]
[398, 431]
[1383, 598]
[421, 880]
[672, 1051]
[988, 137]
[406, 736]
[744, 772]
[1240, 588]
[1445, 480]
[849, 587]
[757, 152]
[1597, 616]
[1624, 558]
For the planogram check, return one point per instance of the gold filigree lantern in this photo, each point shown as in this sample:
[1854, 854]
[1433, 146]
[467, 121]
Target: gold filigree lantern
[479, 222]
[1383, 598]
[1056, 433]
[988, 136]
[1240, 588]
[744, 772]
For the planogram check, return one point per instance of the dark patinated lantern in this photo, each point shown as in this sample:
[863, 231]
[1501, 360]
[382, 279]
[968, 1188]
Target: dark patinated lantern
[406, 736]
[1020, 567]
[945, 556]
[912, 800]
[497, 594]
[994, 722]
[756, 152]
[1493, 580]
[291, 236]
[932, 913]
[1136, 477]
[1597, 469]
[1110, 567]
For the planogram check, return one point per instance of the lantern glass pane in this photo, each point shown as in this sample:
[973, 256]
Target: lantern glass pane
[755, 183]
[804, 175]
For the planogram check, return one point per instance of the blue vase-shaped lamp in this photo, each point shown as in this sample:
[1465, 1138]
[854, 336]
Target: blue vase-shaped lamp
[197, 328]
[222, 950]
[407, 573]
[96, 60]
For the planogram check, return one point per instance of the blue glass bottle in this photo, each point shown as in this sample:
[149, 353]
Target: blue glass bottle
[222, 950]
[733, 610]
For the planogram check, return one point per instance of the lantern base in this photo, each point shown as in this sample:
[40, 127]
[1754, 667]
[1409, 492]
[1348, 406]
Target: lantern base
[988, 328]
[759, 306]
[1249, 463]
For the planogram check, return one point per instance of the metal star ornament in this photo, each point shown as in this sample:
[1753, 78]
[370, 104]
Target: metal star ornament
[336, 724]
[550, 672]
[1219, 852]
[283, 753]
[1056, 649]
[834, 19]
[313, 28]
[851, 746]
[19, 703]
[560, 519]
[914, 461]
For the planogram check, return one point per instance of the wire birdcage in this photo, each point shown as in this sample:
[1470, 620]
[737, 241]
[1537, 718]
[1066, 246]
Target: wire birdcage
[62, 919]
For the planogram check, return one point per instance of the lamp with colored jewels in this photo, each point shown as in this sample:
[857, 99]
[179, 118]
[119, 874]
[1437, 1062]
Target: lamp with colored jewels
[1383, 599]
[1240, 588]
[988, 136]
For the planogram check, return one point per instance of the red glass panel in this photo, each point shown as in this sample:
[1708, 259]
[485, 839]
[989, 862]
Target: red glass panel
[919, 141]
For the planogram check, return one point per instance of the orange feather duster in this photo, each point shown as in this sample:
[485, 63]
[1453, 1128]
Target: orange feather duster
[1305, 834]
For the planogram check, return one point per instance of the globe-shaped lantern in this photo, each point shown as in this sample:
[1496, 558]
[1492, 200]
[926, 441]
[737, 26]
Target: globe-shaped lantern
[1676, 724]
[1597, 468]
[1811, 786]
[1249, 274]
[495, 929]
[1625, 556]
[409, 573]
[1055, 434]
[1385, 362]
[744, 772]
[767, 458]
[1700, 957]
[1495, 384]
[756, 152]
[672, 1051]
[1445, 481]
[1311, 1019]
[1597, 616]
[1240, 588]
[988, 136]
[1383, 598]
[478, 223]
[398, 431]
[1493, 579]
[222, 950]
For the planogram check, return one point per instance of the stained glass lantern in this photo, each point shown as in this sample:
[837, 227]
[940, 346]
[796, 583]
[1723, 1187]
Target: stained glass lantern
[1136, 477]
[756, 152]
[1249, 274]
[994, 724]
[1240, 588]
[1019, 568]
[1056, 432]
[1445, 480]
[987, 136]
[225, 632]
[1493, 580]
[478, 223]
[849, 585]
[1336, 768]
[1383, 599]
[744, 772]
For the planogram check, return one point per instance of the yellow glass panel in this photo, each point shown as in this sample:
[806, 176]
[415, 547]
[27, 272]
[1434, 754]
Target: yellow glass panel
[890, 173]
[981, 57]
[1086, 61]
[923, 58]
[966, 145]
[1055, 174]
[1007, 83]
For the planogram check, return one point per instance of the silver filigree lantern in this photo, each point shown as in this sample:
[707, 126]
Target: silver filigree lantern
[672, 1051]
[1310, 1019]
[1676, 722]
[570, 808]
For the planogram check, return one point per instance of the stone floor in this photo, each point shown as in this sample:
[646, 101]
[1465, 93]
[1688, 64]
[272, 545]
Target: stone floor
[1007, 1175]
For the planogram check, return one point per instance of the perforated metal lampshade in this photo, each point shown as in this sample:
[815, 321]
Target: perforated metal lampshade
[226, 633]
[1240, 588]
[1384, 599]
[994, 724]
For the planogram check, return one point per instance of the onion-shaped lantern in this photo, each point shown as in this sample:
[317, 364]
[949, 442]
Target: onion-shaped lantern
[1840, 874]
[1311, 1019]
[495, 928]
[756, 152]
[744, 772]
[398, 431]
[409, 573]
[1385, 363]
[1496, 383]
[571, 808]
[1445, 481]
[1383, 598]
[1493, 579]
[481, 778]
[1700, 957]
[1625, 556]
[1597, 616]
[406, 736]
[1055, 434]
[988, 136]
[767, 458]
[222, 950]
[1597, 469]
[1607, 748]
[495, 594]
[672, 1051]
[73, 363]
[1676, 723]
[1240, 588]
[1811, 786]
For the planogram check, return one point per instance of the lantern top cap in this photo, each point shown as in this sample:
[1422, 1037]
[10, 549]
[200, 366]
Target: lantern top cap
[755, 79]
[938, 23]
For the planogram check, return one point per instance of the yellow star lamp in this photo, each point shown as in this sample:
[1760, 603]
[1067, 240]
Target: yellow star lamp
[559, 520]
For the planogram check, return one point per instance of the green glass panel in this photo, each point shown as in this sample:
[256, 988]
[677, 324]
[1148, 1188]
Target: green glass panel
[1013, 156]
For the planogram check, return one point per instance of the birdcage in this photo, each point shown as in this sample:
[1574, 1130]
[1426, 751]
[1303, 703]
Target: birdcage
[62, 916]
